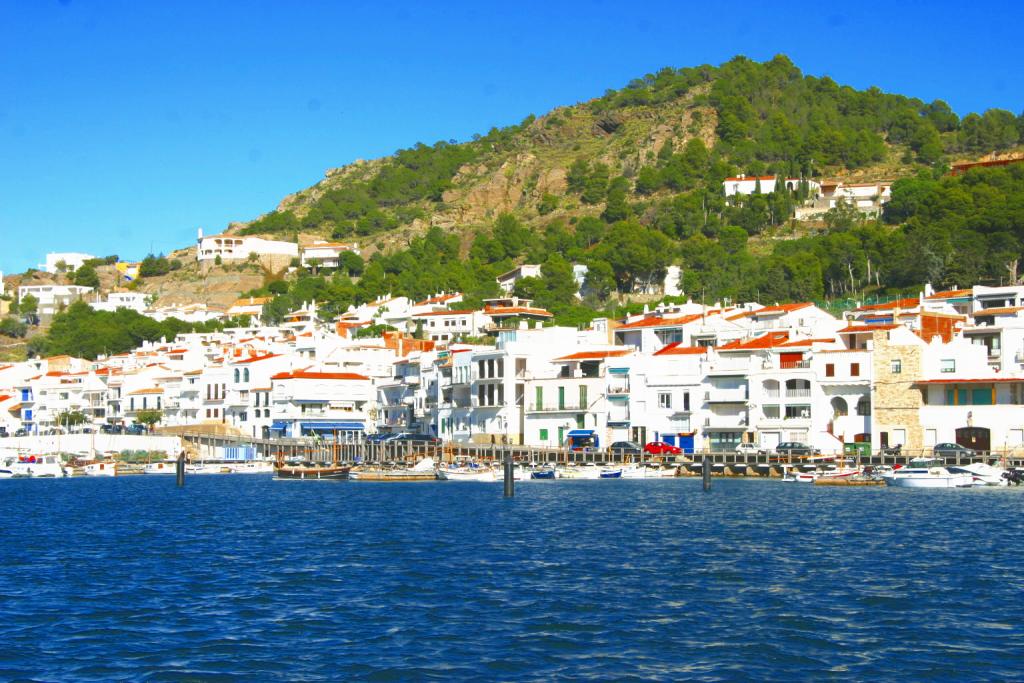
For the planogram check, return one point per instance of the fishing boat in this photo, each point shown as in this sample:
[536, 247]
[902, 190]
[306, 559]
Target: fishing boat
[610, 473]
[424, 470]
[162, 467]
[313, 471]
[791, 475]
[101, 468]
[925, 473]
[648, 471]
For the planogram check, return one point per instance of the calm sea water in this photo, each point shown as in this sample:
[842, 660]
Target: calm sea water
[243, 577]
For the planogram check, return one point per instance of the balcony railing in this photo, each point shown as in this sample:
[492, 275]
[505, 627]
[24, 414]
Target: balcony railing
[798, 393]
[794, 364]
[618, 389]
[564, 407]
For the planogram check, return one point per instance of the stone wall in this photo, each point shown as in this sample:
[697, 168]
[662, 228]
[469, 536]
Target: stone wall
[895, 400]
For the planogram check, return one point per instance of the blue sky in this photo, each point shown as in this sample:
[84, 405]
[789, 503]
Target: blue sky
[125, 125]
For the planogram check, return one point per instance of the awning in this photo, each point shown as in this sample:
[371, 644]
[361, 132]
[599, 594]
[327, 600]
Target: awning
[280, 426]
[581, 432]
[332, 426]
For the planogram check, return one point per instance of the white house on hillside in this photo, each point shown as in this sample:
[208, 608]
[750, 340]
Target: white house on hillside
[72, 261]
[240, 247]
[744, 184]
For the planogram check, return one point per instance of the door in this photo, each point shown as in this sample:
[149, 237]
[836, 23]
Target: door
[770, 440]
[686, 442]
[561, 436]
[976, 438]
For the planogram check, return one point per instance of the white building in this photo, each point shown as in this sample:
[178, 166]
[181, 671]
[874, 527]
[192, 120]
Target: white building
[71, 261]
[325, 254]
[507, 281]
[241, 247]
[133, 301]
[53, 298]
[747, 185]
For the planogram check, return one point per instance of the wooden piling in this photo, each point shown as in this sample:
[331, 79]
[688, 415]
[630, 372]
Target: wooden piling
[705, 473]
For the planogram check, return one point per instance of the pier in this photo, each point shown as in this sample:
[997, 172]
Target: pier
[729, 463]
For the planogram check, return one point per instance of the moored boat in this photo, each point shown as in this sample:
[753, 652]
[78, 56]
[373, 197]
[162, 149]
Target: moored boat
[983, 474]
[467, 473]
[33, 467]
[424, 470]
[312, 471]
[928, 474]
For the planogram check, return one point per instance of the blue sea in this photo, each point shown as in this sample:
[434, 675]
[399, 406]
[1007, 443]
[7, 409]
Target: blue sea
[246, 578]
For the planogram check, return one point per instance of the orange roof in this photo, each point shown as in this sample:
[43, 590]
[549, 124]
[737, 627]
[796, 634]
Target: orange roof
[4, 397]
[950, 294]
[595, 355]
[1006, 310]
[302, 374]
[464, 312]
[497, 311]
[782, 308]
[436, 299]
[152, 390]
[256, 359]
[674, 349]
[853, 329]
[658, 321]
[767, 341]
[899, 303]
[808, 342]
[178, 351]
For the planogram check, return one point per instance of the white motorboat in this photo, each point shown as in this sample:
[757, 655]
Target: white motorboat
[648, 471]
[588, 471]
[928, 474]
[467, 473]
[207, 468]
[792, 475]
[32, 467]
[983, 474]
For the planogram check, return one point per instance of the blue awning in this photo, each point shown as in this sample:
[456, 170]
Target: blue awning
[581, 432]
[332, 426]
[280, 426]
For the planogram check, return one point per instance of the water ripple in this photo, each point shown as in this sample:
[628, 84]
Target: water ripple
[241, 578]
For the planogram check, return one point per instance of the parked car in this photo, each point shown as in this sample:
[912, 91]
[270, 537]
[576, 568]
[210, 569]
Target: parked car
[625, 448]
[21, 432]
[135, 430]
[794, 448]
[111, 429]
[380, 436]
[3, 433]
[424, 439]
[749, 449]
[660, 448]
[944, 450]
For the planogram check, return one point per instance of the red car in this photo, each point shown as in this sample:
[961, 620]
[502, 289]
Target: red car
[660, 448]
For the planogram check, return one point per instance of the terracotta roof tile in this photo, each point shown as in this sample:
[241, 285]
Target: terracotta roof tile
[675, 349]
[595, 355]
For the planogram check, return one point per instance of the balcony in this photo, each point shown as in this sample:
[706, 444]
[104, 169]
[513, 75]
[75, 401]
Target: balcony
[798, 393]
[726, 396]
[617, 389]
[555, 407]
[794, 364]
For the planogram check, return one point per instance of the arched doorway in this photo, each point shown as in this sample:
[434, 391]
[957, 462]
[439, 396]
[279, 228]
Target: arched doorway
[976, 438]
[840, 407]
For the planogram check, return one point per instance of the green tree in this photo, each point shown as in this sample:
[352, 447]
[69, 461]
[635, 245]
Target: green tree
[149, 418]
[86, 276]
[28, 305]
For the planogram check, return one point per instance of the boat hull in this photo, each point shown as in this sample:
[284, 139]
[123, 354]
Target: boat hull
[312, 473]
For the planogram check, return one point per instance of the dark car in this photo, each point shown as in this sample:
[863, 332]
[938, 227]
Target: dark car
[380, 436]
[21, 432]
[111, 429]
[135, 429]
[625, 448]
[661, 448]
[794, 448]
[408, 437]
[952, 450]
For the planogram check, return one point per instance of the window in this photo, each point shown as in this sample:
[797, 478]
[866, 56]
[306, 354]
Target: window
[539, 399]
[583, 396]
[238, 375]
[245, 375]
[543, 435]
[947, 365]
[580, 424]
[686, 401]
[854, 369]
[830, 369]
[864, 406]
[664, 399]
[561, 398]
[896, 366]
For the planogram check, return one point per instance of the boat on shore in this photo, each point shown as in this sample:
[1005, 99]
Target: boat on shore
[424, 470]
